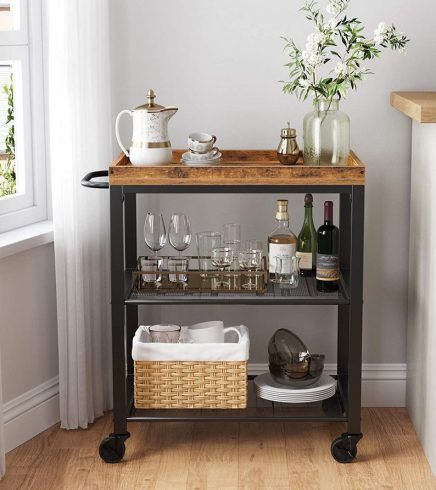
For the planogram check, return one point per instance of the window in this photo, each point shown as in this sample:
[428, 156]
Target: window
[23, 197]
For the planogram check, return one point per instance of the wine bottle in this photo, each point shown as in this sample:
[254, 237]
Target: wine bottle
[307, 242]
[327, 260]
[281, 242]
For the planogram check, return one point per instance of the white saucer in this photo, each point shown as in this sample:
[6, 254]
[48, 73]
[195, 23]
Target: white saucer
[188, 160]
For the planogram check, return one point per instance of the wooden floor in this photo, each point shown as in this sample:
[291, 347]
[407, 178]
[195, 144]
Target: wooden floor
[225, 456]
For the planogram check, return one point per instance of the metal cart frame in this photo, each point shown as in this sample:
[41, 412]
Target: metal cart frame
[344, 407]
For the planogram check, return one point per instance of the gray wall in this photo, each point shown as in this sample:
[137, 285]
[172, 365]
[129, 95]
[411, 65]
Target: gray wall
[220, 63]
[28, 328]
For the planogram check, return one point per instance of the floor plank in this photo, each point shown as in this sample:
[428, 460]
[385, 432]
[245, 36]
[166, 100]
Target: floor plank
[225, 455]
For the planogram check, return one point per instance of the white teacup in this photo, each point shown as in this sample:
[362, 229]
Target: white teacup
[201, 142]
[210, 332]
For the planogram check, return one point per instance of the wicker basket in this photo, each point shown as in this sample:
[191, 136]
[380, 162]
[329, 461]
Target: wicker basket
[190, 384]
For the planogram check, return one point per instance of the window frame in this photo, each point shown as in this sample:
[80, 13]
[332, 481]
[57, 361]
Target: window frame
[26, 46]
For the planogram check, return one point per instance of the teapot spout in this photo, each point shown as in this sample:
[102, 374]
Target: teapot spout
[170, 111]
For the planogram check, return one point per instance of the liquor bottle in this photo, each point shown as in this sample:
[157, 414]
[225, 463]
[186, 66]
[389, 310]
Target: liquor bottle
[327, 260]
[281, 242]
[307, 243]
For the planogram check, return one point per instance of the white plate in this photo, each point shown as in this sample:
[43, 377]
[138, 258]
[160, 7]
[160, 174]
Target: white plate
[292, 395]
[266, 382]
[320, 396]
[188, 160]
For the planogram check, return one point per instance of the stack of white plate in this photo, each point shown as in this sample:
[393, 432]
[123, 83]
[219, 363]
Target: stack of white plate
[265, 387]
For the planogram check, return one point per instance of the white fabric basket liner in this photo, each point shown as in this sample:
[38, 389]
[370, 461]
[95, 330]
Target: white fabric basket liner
[145, 350]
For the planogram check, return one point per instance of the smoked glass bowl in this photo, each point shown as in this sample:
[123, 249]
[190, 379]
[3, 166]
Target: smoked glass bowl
[290, 362]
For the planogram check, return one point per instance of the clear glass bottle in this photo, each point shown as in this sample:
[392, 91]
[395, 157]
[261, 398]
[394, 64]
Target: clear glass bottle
[281, 242]
[326, 135]
[307, 243]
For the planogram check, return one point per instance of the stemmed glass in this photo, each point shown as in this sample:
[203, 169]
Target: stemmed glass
[155, 234]
[179, 233]
[250, 260]
[222, 258]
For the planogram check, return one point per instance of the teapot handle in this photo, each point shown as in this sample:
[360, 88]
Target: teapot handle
[117, 132]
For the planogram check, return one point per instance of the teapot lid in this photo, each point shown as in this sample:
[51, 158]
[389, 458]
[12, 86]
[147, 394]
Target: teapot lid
[150, 106]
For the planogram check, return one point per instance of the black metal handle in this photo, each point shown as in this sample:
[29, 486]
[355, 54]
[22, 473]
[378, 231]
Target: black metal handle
[87, 180]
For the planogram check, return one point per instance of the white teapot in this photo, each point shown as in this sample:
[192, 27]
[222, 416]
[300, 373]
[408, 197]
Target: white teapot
[150, 143]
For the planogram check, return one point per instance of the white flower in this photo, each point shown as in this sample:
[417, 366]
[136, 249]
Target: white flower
[312, 58]
[341, 69]
[305, 83]
[380, 33]
[333, 8]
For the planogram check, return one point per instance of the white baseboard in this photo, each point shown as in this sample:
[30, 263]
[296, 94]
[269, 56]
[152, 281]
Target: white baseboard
[31, 413]
[383, 385]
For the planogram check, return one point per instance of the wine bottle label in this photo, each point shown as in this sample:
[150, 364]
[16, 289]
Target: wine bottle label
[279, 250]
[305, 260]
[327, 267]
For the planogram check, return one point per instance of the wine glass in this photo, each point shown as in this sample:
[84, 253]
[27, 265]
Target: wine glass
[179, 232]
[222, 258]
[250, 260]
[155, 234]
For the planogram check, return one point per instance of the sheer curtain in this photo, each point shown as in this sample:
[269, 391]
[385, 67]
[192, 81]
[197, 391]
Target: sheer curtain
[80, 141]
[2, 442]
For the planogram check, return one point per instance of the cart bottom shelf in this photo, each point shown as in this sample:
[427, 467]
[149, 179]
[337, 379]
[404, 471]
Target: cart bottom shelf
[257, 410]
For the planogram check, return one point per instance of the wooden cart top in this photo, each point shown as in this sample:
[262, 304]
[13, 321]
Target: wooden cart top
[237, 167]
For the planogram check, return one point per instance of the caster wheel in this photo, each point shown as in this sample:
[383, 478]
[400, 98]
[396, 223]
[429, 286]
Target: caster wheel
[344, 448]
[112, 449]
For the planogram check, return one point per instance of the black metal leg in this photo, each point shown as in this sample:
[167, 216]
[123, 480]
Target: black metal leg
[355, 310]
[117, 290]
[344, 310]
[130, 242]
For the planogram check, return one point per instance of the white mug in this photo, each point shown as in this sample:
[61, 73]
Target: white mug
[210, 332]
[201, 142]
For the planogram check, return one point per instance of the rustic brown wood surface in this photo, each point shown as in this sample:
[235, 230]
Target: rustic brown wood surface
[225, 455]
[237, 167]
[420, 106]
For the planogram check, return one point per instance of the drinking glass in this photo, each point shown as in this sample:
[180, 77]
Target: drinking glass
[250, 260]
[206, 242]
[253, 245]
[287, 271]
[222, 258]
[232, 236]
[166, 334]
[179, 232]
[153, 267]
[178, 265]
[155, 234]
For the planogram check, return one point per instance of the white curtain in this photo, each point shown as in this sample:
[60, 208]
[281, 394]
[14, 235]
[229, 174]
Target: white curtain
[2, 441]
[80, 141]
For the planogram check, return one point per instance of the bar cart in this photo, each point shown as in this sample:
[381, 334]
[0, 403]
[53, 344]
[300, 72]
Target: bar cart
[240, 171]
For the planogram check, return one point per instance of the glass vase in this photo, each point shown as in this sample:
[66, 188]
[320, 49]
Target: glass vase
[326, 135]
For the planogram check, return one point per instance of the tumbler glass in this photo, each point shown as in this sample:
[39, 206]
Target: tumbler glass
[288, 271]
[166, 334]
[152, 266]
[178, 265]
[206, 242]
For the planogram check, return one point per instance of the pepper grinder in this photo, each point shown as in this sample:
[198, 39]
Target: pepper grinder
[288, 151]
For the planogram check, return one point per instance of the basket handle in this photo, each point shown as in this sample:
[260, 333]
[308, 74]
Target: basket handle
[87, 180]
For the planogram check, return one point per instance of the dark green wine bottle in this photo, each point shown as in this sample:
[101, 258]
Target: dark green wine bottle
[307, 241]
